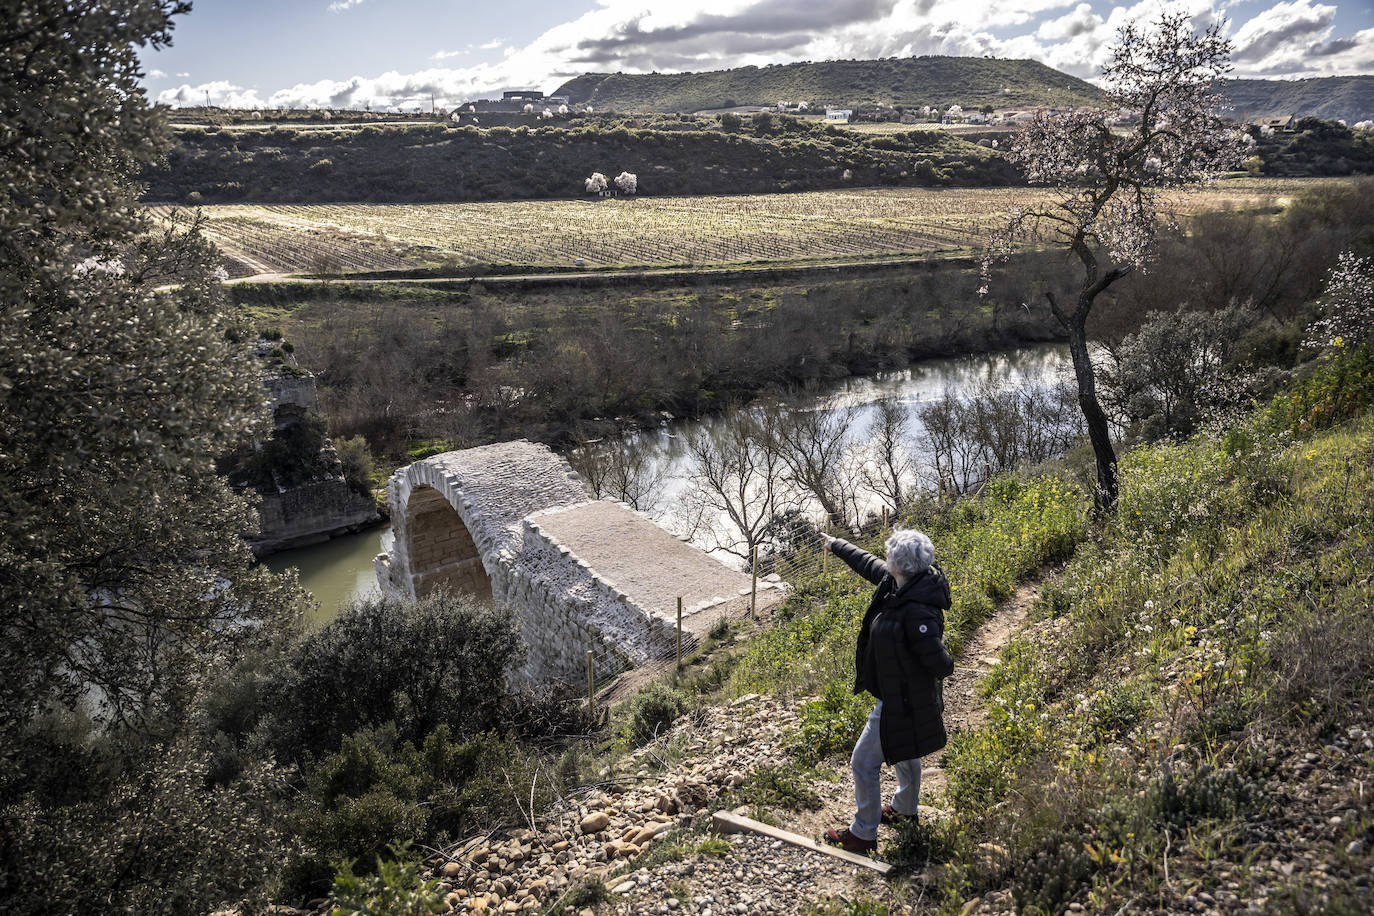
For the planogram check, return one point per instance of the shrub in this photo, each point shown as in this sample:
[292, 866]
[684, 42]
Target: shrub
[831, 724]
[159, 842]
[439, 661]
[358, 463]
[651, 711]
[377, 790]
[396, 889]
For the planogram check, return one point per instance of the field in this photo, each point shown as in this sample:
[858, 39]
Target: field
[627, 232]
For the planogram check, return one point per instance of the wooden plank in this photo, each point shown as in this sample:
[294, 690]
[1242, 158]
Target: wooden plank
[728, 822]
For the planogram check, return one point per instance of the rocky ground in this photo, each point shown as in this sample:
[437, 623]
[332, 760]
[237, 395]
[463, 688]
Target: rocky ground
[642, 831]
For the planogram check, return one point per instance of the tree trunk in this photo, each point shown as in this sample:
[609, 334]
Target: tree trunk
[1099, 432]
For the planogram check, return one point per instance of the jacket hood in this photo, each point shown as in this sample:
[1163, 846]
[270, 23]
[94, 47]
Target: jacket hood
[930, 587]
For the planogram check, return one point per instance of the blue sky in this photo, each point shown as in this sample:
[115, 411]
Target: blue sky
[388, 53]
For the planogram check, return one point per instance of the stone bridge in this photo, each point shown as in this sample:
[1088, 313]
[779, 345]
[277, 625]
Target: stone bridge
[513, 523]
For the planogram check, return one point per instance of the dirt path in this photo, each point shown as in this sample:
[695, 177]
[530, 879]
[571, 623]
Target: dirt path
[683, 776]
[964, 710]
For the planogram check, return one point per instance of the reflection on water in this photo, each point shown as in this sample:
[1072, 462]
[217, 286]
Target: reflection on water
[340, 570]
[1036, 367]
[337, 571]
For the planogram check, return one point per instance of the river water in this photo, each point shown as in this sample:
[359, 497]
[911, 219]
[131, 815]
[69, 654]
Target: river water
[340, 570]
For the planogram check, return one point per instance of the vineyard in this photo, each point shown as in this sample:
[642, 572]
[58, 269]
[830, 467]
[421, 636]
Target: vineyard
[350, 238]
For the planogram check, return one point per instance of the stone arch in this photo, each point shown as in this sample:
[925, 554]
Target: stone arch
[442, 551]
[513, 522]
[456, 516]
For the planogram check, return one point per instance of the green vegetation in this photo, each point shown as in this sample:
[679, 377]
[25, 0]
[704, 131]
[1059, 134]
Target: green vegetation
[1313, 147]
[438, 163]
[909, 82]
[549, 363]
[125, 578]
[985, 543]
[1216, 629]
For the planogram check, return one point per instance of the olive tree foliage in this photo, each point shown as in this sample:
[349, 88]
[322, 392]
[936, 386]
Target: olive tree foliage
[1109, 186]
[122, 572]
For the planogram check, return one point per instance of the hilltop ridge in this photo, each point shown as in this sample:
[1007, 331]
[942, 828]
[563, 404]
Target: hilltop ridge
[907, 81]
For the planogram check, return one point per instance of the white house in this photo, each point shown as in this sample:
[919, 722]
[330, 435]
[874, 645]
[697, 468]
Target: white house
[838, 115]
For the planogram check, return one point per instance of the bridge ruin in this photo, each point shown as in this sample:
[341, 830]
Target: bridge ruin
[513, 523]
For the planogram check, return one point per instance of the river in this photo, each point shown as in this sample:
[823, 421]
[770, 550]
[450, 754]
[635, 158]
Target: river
[340, 570]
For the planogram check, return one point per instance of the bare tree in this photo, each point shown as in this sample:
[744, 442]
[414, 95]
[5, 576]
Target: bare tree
[813, 443]
[890, 471]
[1108, 179]
[736, 482]
[622, 469]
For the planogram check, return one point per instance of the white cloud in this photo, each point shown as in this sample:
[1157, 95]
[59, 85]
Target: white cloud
[1289, 37]
[156, 75]
[338, 6]
[446, 55]
[219, 92]
[1080, 21]
[1295, 39]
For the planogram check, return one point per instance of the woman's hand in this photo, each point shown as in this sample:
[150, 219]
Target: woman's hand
[828, 542]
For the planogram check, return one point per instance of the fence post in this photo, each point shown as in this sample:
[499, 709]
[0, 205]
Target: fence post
[824, 531]
[754, 584]
[679, 631]
[591, 683]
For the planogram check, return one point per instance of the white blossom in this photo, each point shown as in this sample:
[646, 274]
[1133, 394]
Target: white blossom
[596, 183]
[563, 109]
[626, 182]
[97, 267]
[1347, 306]
[529, 108]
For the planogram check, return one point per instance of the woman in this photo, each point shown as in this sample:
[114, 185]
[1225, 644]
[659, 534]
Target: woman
[901, 660]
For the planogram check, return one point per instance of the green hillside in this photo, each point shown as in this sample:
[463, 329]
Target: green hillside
[441, 164]
[1349, 98]
[907, 81]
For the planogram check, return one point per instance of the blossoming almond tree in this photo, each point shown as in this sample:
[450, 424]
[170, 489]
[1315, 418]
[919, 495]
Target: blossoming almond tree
[1109, 186]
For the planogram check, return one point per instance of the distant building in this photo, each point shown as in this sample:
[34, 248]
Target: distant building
[1275, 122]
[523, 95]
[838, 115]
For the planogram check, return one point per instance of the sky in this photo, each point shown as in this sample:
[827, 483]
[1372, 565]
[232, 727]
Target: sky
[404, 53]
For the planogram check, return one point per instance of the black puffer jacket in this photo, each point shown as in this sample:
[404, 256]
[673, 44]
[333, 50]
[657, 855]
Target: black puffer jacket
[901, 657]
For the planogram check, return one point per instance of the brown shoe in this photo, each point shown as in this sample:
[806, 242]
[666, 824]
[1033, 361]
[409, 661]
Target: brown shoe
[849, 842]
[892, 817]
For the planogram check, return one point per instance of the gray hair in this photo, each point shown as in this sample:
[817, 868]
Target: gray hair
[909, 553]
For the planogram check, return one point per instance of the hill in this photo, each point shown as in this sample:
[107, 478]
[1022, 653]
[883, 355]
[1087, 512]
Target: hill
[1349, 98]
[908, 81]
[443, 164]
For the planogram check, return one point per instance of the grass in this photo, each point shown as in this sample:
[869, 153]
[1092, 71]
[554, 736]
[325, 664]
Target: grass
[985, 544]
[663, 231]
[1217, 624]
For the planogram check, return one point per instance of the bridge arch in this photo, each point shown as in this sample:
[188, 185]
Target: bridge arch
[512, 522]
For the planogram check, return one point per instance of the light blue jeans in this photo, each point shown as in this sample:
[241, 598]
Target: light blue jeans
[867, 764]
